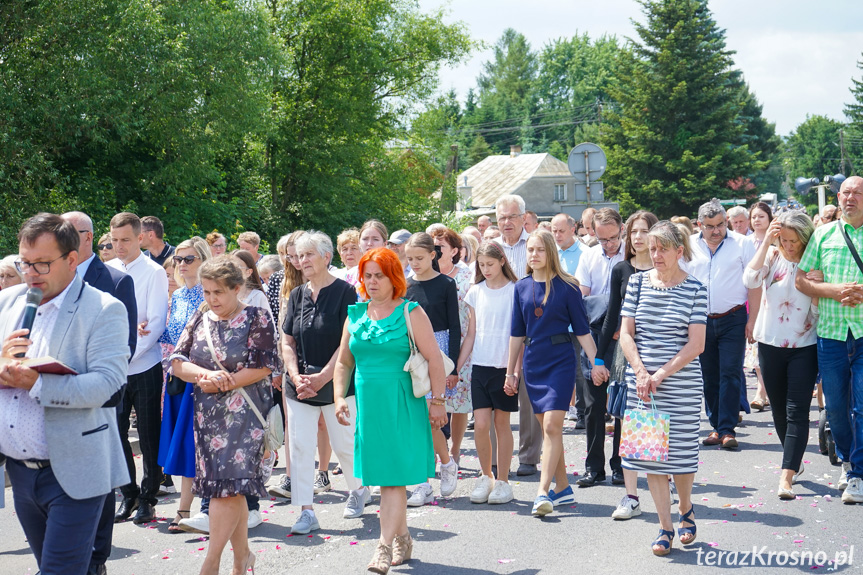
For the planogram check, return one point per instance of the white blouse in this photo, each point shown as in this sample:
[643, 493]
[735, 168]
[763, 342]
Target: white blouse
[786, 318]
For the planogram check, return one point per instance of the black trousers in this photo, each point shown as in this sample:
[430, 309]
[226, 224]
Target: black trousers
[595, 401]
[144, 393]
[789, 378]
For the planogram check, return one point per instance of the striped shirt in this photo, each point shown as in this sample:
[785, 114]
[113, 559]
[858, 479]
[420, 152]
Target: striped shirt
[828, 252]
[516, 254]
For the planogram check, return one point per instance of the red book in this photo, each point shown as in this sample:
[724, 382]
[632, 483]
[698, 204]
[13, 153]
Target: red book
[43, 365]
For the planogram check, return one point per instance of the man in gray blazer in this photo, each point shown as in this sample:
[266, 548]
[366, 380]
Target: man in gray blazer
[62, 447]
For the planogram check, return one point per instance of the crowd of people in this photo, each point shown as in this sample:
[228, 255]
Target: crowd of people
[198, 344]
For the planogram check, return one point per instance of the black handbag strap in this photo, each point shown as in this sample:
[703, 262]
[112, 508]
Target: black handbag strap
[303, 321]
[850, 245]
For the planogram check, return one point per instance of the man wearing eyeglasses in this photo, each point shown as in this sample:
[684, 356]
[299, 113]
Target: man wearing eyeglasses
[120, 285]
[144, 387]
[719, 257]
[63, 449]
[594, 277]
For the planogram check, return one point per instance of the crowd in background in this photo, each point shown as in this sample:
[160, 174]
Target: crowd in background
[512, 314]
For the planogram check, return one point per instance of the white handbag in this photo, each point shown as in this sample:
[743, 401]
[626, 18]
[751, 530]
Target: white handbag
[274, 425]
[418, 365]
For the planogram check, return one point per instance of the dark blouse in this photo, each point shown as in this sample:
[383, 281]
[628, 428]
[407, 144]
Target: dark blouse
[316, 326]
[274, 288]
[439, 300]
[619, 280]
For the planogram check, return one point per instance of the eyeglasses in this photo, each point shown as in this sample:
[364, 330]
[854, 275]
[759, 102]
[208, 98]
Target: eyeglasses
[608, 241]
[105, 247]
[509, 218]
[711, 229]
[187, 259]
[220, 245]
[42, 268]
[83, 231]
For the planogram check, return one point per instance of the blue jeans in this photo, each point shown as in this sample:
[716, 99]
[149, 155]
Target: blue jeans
[722, 370]
[841, 366]
[60, 530]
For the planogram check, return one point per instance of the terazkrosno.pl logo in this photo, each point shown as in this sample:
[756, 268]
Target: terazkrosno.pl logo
[762, 556]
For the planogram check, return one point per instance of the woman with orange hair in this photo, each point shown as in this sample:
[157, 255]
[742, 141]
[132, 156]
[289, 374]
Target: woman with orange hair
[393, 446]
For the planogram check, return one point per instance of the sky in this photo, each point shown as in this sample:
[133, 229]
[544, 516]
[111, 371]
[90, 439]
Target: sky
[799, 56]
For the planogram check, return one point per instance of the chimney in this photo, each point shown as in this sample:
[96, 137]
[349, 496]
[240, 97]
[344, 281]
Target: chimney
[514, 151]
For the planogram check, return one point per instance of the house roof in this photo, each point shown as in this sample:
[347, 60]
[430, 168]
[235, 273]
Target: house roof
[496, 176]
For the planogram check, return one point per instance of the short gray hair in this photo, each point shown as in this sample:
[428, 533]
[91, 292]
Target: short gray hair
[318, 241]
[79, 219]
[270, 263]
[737, 211]
[670, 236]
[510, 199]
[9, 262]
[710, 209]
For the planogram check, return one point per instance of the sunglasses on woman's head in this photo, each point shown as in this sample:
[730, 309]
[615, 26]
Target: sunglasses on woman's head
[105, 247]
[187, 259]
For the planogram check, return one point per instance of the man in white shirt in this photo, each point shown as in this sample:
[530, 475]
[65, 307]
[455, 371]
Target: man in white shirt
[719, 257]
[144, 387]
[594, 278]
[570, 250]
[509, 210]
[738, 219]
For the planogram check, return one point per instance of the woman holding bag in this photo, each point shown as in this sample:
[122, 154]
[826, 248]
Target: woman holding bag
[229, 352]
[393, 445]
[662, 334]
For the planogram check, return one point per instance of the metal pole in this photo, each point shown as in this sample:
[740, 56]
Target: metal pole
[587, 175]
[822, 197]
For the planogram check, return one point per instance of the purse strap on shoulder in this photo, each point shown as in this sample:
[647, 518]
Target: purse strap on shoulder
[242, 391]
[411, 339]
[851, 246]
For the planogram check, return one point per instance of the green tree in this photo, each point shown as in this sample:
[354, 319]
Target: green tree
[109, 104]
[853, 140]
[812, 149]
[675, 139]
[350, 70]
[478, 150]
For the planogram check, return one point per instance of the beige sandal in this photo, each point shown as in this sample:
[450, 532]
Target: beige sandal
[403, 547]
[382, 559]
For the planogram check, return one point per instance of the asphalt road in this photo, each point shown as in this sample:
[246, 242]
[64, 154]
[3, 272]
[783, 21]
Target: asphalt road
[737, 511]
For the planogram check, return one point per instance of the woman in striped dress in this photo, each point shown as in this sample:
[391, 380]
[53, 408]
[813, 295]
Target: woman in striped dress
[664, 321]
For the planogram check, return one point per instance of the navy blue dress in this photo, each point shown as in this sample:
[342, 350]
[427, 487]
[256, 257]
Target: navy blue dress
[549, 368]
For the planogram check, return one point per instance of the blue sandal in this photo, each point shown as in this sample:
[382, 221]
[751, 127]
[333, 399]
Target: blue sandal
[666, 545]
[681, 531]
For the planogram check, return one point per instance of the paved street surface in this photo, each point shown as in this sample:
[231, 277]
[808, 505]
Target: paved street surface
[736, 509]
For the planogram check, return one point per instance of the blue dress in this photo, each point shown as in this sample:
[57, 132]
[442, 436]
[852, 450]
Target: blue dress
[177, 439]
[549, 366]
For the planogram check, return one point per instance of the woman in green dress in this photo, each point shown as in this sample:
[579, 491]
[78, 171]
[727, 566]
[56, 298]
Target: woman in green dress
[393, 443]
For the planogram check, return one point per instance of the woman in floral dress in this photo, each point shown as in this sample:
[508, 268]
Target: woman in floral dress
[459, 403]
[229, 438]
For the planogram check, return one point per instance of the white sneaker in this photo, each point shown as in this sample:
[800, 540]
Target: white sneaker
[482, 489]
[672, 490]
[448, 478]
[306, 523]
[357, 501]
[626, 509]
[422, 495]
[376, 491]
[255, 518]
[571, 414]
[198, 523]
[502, 493]
[843, 478]
[267, 464]
[854, 492]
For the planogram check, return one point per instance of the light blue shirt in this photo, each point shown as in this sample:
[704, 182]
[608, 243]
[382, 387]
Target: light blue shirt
[84, 266]
[570, 256]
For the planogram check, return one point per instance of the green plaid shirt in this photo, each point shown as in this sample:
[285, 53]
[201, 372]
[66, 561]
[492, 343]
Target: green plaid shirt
[828, 252]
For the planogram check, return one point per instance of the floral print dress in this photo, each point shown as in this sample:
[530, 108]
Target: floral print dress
[460, 400]
[229, 438]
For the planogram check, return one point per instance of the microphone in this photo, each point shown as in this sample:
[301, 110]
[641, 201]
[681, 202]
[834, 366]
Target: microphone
[34, 298]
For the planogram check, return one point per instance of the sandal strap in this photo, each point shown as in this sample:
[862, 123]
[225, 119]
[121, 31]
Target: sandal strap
[664, 533]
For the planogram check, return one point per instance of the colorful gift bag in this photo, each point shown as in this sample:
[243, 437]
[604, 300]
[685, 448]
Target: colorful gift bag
[644, 433]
